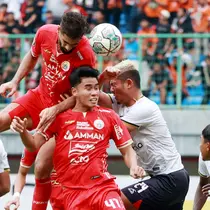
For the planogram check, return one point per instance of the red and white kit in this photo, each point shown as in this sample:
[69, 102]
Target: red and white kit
[80, 157]
[55, 72]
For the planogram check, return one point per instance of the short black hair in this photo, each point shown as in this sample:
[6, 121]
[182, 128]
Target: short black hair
[76, 76]
[133, 75]
[4, 5]
[74, 25]
[206, 133]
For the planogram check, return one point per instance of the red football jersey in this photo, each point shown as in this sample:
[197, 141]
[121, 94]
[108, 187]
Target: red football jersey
[81, 143]
[28, 158]
[58, 66]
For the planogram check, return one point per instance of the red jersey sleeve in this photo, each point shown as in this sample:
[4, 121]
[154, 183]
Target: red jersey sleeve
[36, 45]
[85, 54]
[120, 133]
[28, 158]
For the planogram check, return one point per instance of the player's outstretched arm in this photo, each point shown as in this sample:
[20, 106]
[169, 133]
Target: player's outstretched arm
[129, 156]
[32, 143]
[200, 197]
[108, 74]
[19, 184]
[27, 65]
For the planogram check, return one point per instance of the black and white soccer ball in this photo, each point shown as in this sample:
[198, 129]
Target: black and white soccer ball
[105, 39]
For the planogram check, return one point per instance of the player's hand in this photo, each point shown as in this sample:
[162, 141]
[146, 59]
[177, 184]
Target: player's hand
[137, 172]
[47, 116]
[18, 125]
[110, 73]
[8, 89]
[64, 97]
[15, 201]
[206, 190]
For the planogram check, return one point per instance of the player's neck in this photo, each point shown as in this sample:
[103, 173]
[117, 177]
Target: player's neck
[81, 108]
[135, 98]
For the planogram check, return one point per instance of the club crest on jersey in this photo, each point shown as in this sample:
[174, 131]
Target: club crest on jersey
[65, 65]
[99, 124]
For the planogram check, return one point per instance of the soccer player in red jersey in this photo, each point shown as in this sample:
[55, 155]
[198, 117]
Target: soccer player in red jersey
[63, 48]
[82, 136]
[27, 160]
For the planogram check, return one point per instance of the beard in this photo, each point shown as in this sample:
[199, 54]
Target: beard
[63, 49]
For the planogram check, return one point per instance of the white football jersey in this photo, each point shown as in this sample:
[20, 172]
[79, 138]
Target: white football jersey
[4, 165]
[154, 146]
[203, 167]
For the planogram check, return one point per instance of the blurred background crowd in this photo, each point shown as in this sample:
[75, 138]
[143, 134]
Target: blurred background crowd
[158, 55]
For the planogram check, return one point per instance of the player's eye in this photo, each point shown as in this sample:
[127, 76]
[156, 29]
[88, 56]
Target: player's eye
[88, 88]
[97, 87]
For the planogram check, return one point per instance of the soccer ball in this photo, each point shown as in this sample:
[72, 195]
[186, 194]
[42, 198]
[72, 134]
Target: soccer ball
[105, 39]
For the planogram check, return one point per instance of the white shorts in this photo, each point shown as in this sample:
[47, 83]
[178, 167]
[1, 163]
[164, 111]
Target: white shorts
[4, 165]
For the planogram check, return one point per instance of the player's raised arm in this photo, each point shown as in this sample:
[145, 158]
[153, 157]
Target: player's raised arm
[27, 64]
[32, 143]
[107, 75]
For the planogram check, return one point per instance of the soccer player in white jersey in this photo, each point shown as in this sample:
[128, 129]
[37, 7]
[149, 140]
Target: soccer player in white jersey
[4, 171]
[155, 149]
[203, 189]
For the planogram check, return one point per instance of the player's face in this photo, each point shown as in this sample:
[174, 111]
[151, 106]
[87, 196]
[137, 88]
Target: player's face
[87, 93]
[119, 90]
[205, 149]
[66, 44]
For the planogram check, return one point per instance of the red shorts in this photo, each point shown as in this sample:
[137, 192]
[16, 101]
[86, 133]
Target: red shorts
[56, 198]
[103, 197]
[32, 104]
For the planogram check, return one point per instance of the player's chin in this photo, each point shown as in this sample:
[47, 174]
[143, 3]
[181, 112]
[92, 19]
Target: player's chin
[92, 104]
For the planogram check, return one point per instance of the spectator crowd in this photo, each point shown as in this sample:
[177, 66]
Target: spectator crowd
[159, 55]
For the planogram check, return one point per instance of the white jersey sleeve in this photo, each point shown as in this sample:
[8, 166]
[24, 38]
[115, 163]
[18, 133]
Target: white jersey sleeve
[4, 165]
[203, 167]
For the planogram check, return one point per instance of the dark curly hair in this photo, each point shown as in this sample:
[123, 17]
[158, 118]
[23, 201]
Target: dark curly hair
[74, 25]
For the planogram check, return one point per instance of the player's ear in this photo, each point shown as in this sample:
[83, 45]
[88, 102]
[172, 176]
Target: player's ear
[208, 146]
[74, 91]
[129, 83]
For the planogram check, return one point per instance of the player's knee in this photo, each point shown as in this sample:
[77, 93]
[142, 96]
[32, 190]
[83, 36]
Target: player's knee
[42, 169]
[5, 121]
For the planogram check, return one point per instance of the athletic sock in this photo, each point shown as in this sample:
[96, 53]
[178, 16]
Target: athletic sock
[42, 193]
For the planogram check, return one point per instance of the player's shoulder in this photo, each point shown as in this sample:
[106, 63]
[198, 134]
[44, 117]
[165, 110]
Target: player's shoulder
[64, 115]
[84, 50]
[105, 111]
[48, 28]
[146, 104]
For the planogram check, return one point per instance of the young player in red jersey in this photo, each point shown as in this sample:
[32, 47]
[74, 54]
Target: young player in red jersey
[82, 136]
[27, 160]
[63, 48]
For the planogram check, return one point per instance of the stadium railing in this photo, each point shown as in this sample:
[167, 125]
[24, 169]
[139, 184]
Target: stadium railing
[20, 44]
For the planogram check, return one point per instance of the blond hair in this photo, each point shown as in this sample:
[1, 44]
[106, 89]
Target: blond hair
[125, 65]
